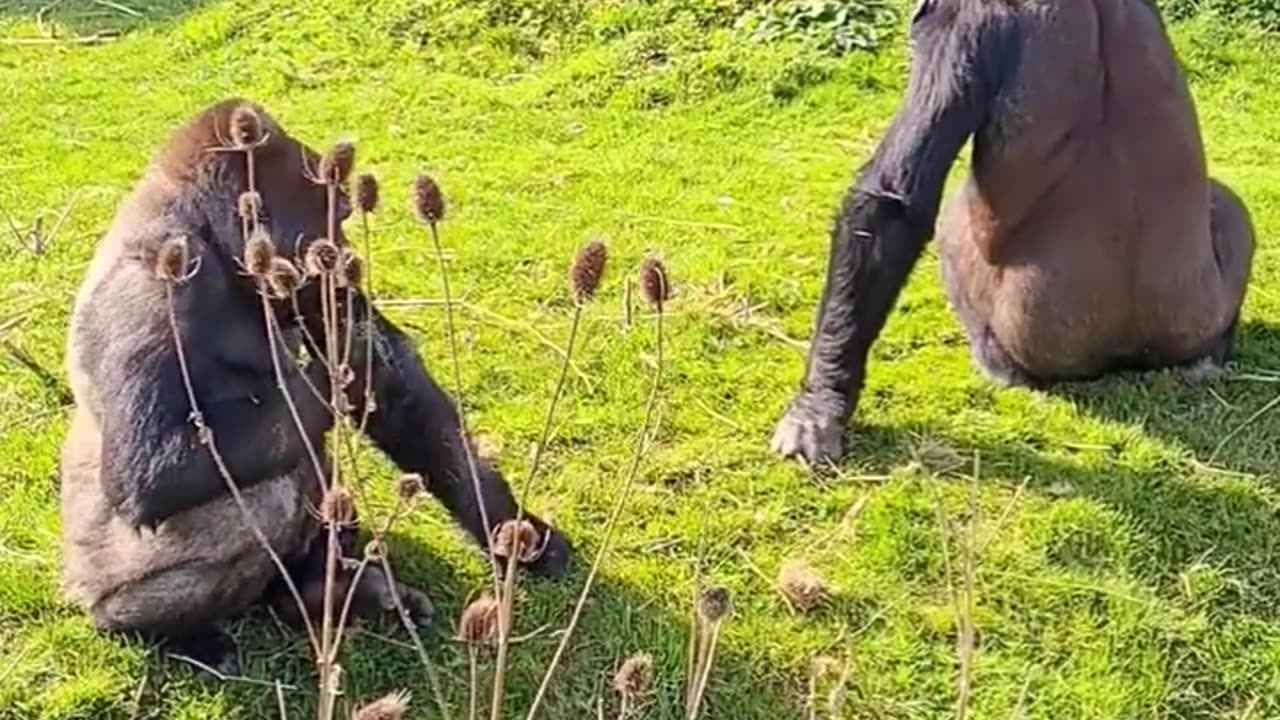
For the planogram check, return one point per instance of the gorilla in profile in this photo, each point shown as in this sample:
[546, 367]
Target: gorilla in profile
[1087, 238]
[153, 542]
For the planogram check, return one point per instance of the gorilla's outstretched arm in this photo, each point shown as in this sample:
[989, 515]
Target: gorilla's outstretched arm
[962, 50]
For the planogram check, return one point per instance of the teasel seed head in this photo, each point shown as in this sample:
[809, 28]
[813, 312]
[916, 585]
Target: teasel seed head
[172, 260]
[350, 269]
[246, 127]
[588, 270]
[259, 251]
[387, 707]
[479, 622]
[714, 603]
[338, 507]
[411, 486]
[803, 587]
[367, 193]
[634, 676]
[374, 550]
[509, 533]
[283, 279]
[428, 201]
[322, 257]
[336, 165]
[654, 286]
[250, 204]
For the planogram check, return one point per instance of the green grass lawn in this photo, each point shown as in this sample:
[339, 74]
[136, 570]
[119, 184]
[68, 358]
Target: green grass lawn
[1128, 561]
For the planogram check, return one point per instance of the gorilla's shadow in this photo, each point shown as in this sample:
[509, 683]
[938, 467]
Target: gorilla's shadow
[1225, 424]
[89, 17]
[378, 656]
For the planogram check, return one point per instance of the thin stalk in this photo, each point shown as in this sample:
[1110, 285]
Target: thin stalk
[709, 660]
[475, 682]
[641, 443]
[432, 676]
[506, 615]
[369, 397]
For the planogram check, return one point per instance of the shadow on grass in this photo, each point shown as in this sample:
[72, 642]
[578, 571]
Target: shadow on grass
[90, 17]
[378, 657]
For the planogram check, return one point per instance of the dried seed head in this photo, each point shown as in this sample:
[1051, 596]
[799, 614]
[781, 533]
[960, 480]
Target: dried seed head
[338, 507]
[322, 257]
[714, 603]
[250, 205]
[428, 201]
[387, 707]
[634, 676]
[510, 533]
[350, 269]
[374, 550]
[283, 278]
[335, 166]
[367, 193]
[653, 283]
[258, 254]
[173, 259]
[246, 127]
[479, 621]
[588, 269]
[803, 587]
[411, 486]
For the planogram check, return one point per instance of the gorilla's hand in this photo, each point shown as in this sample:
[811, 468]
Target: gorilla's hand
[812, 428]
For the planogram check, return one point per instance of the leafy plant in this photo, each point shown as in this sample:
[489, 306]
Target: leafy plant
[838, 26]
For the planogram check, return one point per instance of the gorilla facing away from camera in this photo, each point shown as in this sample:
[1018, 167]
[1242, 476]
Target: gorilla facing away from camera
[1087, 238]
[153, 542]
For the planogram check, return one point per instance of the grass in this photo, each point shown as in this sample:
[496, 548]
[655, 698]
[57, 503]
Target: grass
[1134, 577]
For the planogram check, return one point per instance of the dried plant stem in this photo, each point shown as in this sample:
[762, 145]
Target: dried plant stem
[462, 420]
[475, 682]
[284, 712]
[369, 399]
[642, 441]
[206, 437]
[624, 707]
[433, 676]
[704, 668]
[692, 664]
[361, 568]
[506, 599]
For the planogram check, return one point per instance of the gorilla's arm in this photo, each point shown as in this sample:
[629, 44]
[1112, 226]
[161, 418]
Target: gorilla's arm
[888, 216]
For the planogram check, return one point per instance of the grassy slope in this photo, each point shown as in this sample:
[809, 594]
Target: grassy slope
[1135, 577]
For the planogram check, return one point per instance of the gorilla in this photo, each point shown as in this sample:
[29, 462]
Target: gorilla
[153, 542]
[1087, 237]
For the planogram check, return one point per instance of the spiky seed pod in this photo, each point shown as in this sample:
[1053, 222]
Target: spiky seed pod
[350, 269]
[653, 283]
[374, 550]
[714, 603]
[335, 166]
[510, 533]
[634, 676]
[387, 707]
[588, 269]
[428, 201]
[172, 260]
[479, 622]
[367, 193]
[322, 257]
[338, 507]
[284, 278]
[411, 486]
[803, 587]
[259, 251]
[250, 205]
[246, 127]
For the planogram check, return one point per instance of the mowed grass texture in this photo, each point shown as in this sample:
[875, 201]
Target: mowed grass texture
[1124, 535]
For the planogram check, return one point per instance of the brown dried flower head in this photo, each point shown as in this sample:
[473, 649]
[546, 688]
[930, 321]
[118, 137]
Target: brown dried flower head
[172, 260]
[510, 533]
[411, 486]
[338, 507]
[374, 550]
[803, 587]
[322, 257]
[588, 270]
[653, 283]
[479, 621]
[259, 251]
[283, 278]
[246, 127]
[387, 707]
[336, 165]
[428, 201]
[714, 604]
[367, 193]
[250, 204]
[634, 676]
[350, 269]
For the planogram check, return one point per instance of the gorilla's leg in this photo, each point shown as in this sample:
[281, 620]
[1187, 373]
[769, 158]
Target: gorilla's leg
[1233, 244]
[958, 257]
